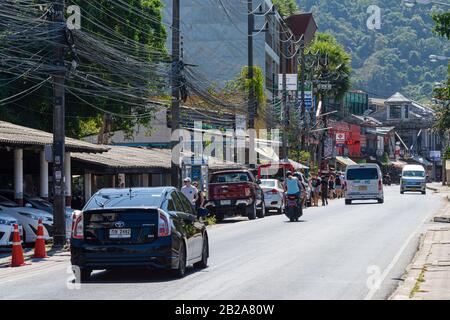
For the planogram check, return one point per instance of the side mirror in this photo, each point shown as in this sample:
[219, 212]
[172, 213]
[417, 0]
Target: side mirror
[258, 181]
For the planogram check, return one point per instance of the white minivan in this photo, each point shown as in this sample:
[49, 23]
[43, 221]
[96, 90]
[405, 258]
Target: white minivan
[364, 182]
[413, 179]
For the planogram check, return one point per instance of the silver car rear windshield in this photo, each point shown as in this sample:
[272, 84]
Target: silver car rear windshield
[362, 174]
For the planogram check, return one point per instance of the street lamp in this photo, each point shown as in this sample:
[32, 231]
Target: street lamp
[435, 58]
[412, 3]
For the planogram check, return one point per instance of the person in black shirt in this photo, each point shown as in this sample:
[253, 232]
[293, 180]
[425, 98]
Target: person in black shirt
[324, 190]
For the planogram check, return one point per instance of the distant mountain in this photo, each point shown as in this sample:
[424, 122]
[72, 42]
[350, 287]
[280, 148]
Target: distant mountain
[393, 58]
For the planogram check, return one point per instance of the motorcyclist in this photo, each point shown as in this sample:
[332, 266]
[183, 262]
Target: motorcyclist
[293, 187]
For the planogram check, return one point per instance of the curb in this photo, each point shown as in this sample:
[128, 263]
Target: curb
[28, 256]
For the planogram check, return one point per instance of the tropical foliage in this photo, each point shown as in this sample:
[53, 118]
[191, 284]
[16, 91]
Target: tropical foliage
[393, 58]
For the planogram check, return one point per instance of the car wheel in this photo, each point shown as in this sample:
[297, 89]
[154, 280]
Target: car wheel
[82, 275]
[202, 264]
[424, 192]
[262, 212]
[380, 200]
[402, 192]
[251, 211]
[347, 202]
[181, 270]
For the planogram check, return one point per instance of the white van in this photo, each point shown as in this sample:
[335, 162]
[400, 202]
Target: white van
[413, 179]
[364, 182]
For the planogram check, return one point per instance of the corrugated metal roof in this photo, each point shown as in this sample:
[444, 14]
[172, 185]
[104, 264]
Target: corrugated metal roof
[121, 157]
[13, 135]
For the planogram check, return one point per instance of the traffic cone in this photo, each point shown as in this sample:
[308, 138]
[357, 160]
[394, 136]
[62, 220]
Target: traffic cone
[39, 247]
[17, 252]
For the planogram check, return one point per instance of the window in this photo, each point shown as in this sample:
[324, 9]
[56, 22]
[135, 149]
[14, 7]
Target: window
[419, 174]
[362, 174]
[395, 112]
[230, 177]
[185, 203]
[406, 111]
[177, 202]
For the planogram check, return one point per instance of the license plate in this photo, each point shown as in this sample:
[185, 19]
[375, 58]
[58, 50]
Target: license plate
[362, 188]
[120, 233]
[225, 202]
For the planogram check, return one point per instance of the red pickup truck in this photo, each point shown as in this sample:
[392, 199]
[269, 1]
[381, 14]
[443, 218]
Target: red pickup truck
[235, 192]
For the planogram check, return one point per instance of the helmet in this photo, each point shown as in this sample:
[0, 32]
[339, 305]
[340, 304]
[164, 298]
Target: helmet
[297, 174]
[288, 173]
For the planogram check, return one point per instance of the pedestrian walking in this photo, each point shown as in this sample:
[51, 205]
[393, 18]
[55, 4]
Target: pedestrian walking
[189, 191]
[324, 190]
[200, 202]
[338, 185]
[331, 187]
[315, 188]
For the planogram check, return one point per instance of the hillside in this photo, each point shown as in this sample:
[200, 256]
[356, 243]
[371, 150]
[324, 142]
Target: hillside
[394, 58]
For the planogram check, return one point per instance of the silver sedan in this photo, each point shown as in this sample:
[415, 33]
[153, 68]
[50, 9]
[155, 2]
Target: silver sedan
[273, 194]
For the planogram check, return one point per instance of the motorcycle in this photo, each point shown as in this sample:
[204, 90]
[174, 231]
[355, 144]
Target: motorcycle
[293, 208]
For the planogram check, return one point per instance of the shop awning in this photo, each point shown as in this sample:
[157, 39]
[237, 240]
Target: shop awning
[297, 165]
[345, 160]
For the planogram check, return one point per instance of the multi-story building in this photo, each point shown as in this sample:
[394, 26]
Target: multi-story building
[214, 36]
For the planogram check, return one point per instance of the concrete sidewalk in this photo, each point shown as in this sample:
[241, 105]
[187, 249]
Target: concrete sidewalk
[428, 275]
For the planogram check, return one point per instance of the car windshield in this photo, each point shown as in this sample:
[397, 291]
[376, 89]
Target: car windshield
[268, 183]
[362, 174]
[124, 199]
[419, 174]
[230, 177]
[7, 203]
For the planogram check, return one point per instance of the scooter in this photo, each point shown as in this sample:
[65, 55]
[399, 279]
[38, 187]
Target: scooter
[293, 209]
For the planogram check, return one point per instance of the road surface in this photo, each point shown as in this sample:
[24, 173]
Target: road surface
[334, 252]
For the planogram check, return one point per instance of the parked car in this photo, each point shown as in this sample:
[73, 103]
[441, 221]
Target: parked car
[273, 195]
[146, 227]
[40, 204]
[235, 192]
[7, 229]
[28, 218]
[413, 179]
[364, 182]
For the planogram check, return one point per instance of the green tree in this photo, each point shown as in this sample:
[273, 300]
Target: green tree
[133, 29]
[286, 7]
[334, 63]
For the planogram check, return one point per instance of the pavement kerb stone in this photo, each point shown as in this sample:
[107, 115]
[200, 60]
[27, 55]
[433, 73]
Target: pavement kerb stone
[419, 261]
[28, 255]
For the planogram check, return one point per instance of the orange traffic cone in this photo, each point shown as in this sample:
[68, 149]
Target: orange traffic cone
[17, 252]
[39, 247]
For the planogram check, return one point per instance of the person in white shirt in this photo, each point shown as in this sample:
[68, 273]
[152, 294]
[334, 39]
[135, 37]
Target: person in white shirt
[189, 191]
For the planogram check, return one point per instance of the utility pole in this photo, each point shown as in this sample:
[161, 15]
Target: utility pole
[59, 216]
[302, 93]
[175, 81]
[251, 108]
[285, 104]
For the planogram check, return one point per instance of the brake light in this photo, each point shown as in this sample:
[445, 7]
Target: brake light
[379, 185]
[77, 226]
[163, 226]
[247, 191]
[274, 191]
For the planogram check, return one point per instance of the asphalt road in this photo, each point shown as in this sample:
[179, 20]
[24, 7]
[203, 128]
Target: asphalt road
[334, 252]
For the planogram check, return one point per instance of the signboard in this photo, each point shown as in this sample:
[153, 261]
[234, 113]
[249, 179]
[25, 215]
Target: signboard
[291, 81]
[340, 138]
[435, 155]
